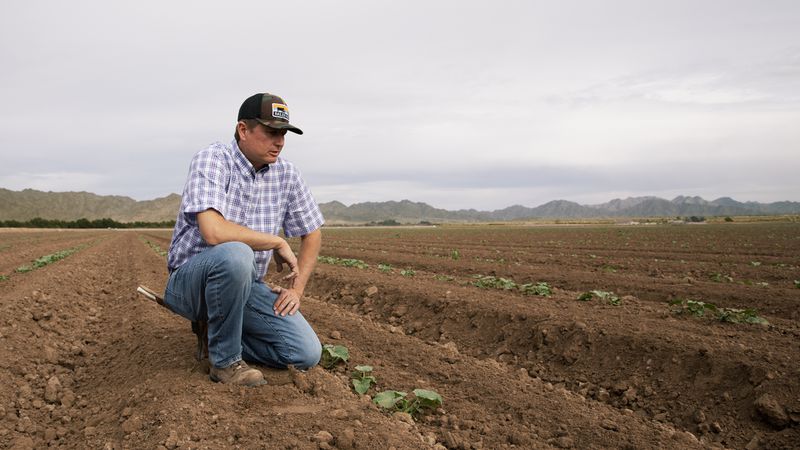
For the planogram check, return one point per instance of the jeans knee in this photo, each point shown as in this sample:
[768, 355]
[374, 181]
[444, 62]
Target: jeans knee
[307, 354]
[236, 258]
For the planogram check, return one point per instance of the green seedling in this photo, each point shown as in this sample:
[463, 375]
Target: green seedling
[346, 262]
[541, 289]
[3, 277]
[719, 278]
[155, 247]
[610, 297]
[397, 400]
[455, 255]
[384, 267]
[704, 309]
[797, 284]
[408, 272]
[444, 277]
[333, 354]
[47, 259]
[755, 263]
[733, 315]
[492, 282]
[363, 379]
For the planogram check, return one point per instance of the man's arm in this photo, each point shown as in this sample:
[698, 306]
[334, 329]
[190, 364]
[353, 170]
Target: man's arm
[215, 229]
[288, 301]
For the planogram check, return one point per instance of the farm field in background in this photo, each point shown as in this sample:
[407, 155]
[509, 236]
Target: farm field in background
[684, 337]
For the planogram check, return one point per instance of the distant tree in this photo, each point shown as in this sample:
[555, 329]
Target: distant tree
[728, 219]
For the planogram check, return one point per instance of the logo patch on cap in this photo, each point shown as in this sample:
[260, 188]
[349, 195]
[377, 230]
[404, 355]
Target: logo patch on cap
[280, 111]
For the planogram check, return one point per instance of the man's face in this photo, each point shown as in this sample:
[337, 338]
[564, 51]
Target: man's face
[261, 145]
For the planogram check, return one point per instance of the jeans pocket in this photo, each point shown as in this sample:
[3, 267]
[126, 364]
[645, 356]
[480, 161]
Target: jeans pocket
[176, 303]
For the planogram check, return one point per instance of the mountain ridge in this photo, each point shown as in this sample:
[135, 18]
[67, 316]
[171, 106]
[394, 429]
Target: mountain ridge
[29, 203]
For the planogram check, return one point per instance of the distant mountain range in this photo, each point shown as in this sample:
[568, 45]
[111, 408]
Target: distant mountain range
[29, 203]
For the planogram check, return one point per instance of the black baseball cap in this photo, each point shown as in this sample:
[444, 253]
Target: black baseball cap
[270, 110]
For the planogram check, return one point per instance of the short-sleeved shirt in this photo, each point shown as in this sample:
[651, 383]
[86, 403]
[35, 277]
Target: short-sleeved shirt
[221, 178]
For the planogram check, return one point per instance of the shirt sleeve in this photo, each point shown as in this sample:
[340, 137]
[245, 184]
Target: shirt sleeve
[302, 214]
[206, 185]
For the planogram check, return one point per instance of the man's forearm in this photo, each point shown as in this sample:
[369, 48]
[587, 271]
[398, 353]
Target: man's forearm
[216, 230]
[310, 245]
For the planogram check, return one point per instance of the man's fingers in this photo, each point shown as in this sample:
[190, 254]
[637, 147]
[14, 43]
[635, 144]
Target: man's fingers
[287, 303]
[277, 289]
[291, 275]
[282, 302]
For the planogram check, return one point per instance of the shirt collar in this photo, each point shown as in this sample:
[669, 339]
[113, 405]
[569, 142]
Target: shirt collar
[241, 162]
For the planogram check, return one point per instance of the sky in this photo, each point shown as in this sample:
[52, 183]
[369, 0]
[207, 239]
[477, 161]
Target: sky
[459, 104]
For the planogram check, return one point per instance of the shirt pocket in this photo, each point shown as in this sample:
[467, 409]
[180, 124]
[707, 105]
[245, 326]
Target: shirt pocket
[238, 200]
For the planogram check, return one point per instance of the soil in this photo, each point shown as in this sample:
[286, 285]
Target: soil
[90, 364]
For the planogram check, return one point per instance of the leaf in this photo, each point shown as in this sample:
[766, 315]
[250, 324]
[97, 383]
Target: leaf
[428, 399]
[332, 354]
[585, 297]
[362, 386]
[341, 352]
[388, 399]
[364, 368]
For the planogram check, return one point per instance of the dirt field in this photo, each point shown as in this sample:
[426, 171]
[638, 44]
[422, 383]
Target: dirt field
[89, 364]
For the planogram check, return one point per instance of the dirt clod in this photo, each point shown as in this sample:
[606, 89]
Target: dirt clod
[52, 389]
[772, 411]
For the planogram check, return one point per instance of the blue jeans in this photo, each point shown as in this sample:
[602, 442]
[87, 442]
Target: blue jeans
[221, 284]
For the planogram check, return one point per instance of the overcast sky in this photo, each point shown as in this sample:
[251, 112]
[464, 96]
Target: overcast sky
[460, 104]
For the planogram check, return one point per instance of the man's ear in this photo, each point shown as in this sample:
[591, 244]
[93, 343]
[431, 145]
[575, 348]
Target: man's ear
[241, 127]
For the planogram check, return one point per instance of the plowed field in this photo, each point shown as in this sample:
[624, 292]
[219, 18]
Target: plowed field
[87, 363]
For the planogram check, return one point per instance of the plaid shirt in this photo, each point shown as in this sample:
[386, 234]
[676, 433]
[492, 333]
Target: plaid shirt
[221, 178]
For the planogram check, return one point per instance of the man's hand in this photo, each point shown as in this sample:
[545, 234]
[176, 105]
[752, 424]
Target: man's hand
[285, 255]
[288, 301]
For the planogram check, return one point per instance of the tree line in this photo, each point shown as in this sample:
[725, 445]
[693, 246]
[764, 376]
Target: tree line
[38, 222]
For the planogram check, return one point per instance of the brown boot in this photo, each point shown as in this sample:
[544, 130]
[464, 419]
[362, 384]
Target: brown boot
[237, 373]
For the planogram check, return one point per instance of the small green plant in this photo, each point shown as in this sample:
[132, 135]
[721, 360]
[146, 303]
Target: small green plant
[610, 297]
[155, 247]
[693, 307]
[797, 284]
[444, 277]
[408, 272]
[346, 262]
[541, 289]
[733, 315]
[47, 259]
[720, 278]
[397, 400]
[755, 263]
[609, 269]
[333, 354]
[493, 282]
[384, 267]
[455, 254]
[363, 379]
[3, 277]
[704, 309]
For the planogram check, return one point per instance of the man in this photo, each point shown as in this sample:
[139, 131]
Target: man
[235, 200]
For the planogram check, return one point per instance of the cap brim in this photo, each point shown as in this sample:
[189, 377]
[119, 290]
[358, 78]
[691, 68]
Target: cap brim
[280, 126]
